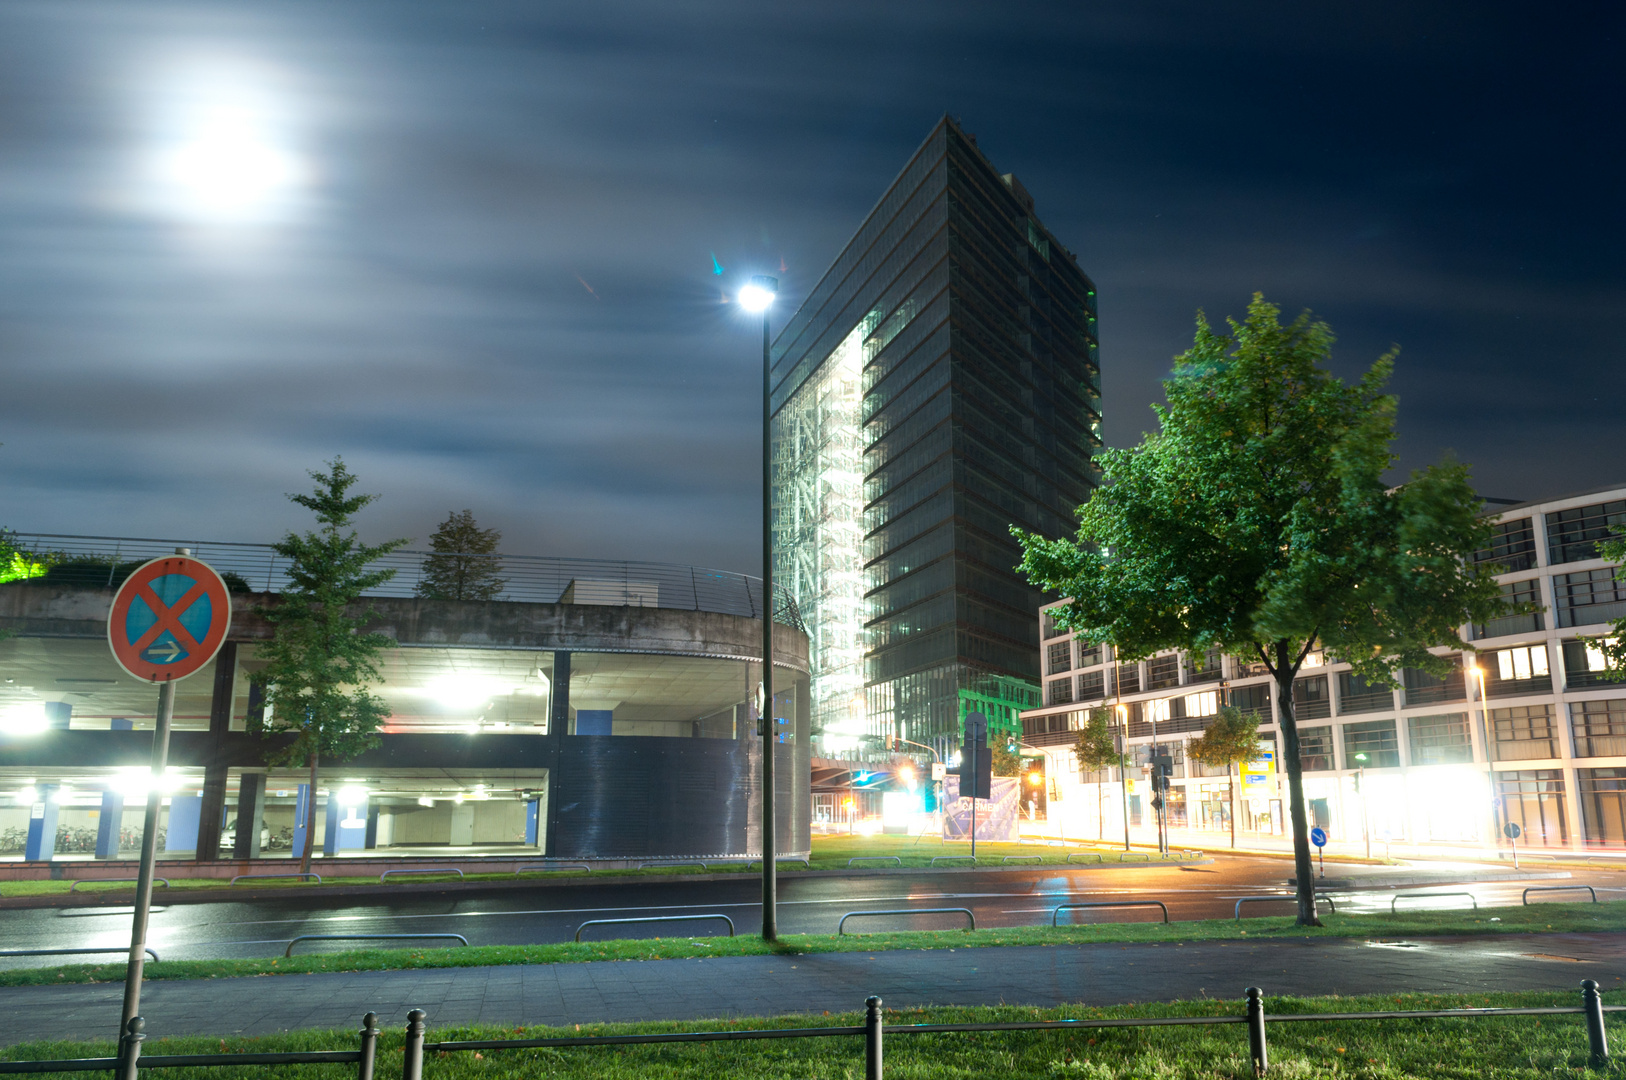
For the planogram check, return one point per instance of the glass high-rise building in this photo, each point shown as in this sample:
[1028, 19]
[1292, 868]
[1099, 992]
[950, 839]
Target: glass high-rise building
[939, 385]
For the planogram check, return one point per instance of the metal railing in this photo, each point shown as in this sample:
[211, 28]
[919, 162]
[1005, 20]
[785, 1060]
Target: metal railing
[114, 880]
[1284, 898]
[668, 865]
[268, 877]
[459, 938]
[1426, 896]
[1054, 915]
[758, 862]
[953, 858]
[425, 870]
[72, 952]
[895, 860]
[102, 561]
[841, 927]
[416, 1048]
[656, 918]
[1021, 859]
[1525, 896]
[533, 867]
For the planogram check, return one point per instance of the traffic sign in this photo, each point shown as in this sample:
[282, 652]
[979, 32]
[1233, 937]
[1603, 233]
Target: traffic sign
[1511, 830]
[1318, 837]
[169, 619]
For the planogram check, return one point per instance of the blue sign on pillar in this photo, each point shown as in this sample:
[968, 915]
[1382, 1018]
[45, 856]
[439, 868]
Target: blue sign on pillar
[108, 825]
[532, 806]
[346, 826]
[121, 723]
[41, 844]
[302, 818]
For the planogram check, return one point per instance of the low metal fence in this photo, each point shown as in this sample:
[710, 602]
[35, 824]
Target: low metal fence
[416, 1048]
[1525, 896]
[531, 869]
[1055, 915]
[668, 865]
[442, 870]
[1397, 897]
[657, 918]
[806, 865]
[73, 952]
[114, 881]
[459, 938]
[1021, 859]
[104, 561]
[1286, 898]
[841, 926]
[954, 858]
[893, 859]
[268, 877]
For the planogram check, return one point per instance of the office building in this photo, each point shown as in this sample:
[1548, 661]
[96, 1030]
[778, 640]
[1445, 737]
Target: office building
[938, 385]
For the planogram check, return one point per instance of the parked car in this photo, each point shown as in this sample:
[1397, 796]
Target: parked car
[228, 835]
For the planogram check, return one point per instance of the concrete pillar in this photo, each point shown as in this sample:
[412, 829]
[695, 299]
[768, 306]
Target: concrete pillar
[58, 714]
[108, 824]
[371, 840]
[250, 812]
[41, 843]
[303, 818]
[212, 815]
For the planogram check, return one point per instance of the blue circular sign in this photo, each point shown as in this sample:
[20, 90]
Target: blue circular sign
[1318, 837]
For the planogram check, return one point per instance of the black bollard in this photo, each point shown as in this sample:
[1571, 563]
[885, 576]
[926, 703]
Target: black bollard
[1256, 1031]
[1592, 1003]
[412, 1051]
[130, 1049]
[369, 1047]
[872, 1038]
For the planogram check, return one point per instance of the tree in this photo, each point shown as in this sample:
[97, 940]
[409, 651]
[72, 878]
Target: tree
[1231, 740]
[1257, 520]
[1096, 750]
[463, 566]
[1006, 760]
[1614, 648]
[320, 661]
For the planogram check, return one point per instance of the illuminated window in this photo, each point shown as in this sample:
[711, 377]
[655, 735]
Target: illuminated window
[1522, 663]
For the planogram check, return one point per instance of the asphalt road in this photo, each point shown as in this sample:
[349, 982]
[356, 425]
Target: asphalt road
[551, 912]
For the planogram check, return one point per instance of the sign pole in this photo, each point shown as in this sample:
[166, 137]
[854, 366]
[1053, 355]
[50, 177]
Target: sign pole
[149, 853]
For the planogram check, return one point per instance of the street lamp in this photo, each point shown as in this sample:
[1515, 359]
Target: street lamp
[1473, 668]
[1360, 789]
[758, 296]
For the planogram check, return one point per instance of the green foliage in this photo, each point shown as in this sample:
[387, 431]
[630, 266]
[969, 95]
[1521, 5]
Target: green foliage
[1232, 739]
[17, 566]
[1006, 762]
[464, 566]
[320, 661]
[1257, 520]
[1614, 647]
[1093, 744]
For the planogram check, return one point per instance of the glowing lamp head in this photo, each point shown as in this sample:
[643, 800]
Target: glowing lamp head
[759, 295]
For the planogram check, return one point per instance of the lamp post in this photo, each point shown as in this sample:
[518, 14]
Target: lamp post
[1360, 789]
[1490, 769]
[758, 296]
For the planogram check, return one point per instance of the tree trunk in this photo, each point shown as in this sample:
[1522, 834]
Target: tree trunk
[1303, 869]
[1237, 769]
[1101, 807]
[310, 822]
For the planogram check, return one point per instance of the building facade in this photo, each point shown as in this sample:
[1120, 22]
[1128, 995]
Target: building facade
[1526, 730]
[939, 384]
[601, 710]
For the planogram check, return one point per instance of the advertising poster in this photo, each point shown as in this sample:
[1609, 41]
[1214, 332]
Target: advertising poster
[996, 818]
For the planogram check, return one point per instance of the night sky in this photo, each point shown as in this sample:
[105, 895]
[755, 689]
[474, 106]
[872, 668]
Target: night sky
[470, 245]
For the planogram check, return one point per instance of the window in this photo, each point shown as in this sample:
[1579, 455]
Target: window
[1059, 656]
[1204, 667]
[1128, 678]
[1573, 534]
[1523, 733]
[1058, 691]
[1163, 671]
[1247, 666]
[1356, 695]
[1205, 703]
[1315, 749]
[1534, 800]
[1425, 689]
[1522, 670]
[1088, 655]
[1515, 593]
[1591, 596]
[1092, 686]
[1374, 738]
[1158, 711]
[1599, 727]
[1310, 700]
[1584, 665]
[1253, 699]
[1440, 740]
[1513, 545]
[1603, 805]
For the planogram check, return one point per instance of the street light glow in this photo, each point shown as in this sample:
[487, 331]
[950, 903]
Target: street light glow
[759, 295]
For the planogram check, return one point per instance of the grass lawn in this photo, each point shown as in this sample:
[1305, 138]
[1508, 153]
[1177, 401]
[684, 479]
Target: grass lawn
[1540, 918]
[829, 853]
[1545, 1047]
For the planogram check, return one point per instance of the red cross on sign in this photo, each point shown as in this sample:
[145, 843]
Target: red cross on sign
[169, 619]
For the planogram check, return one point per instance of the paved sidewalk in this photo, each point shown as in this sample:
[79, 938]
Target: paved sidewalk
[766, 986]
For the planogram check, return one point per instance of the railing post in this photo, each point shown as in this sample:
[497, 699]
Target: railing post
[130, 1051]
[369, 1047]
[412, 1050]
[1256, 1031]
[872, 1038]
[1592, 1003]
